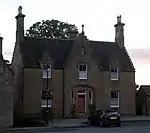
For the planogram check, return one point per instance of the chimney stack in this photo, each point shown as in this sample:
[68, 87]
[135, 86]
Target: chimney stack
[72, 33]
[119, 32]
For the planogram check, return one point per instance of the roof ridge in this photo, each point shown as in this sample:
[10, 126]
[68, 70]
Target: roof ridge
[102, 41]
[43, 38]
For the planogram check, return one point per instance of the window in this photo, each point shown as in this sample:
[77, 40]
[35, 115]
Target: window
[44, 103]
[90, 97]
[114, 73]
[73, 97]
[114, 101]
[46, 70]
[82, 71]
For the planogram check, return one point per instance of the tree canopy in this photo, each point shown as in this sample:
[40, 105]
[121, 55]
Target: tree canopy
[51, 29]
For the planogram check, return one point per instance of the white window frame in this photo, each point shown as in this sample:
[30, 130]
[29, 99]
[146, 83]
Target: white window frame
[44, 72]
[116, 71]
[80, 73]
[118, 99]
[44, 103]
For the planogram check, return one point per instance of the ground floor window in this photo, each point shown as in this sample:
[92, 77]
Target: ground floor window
[44, 103]
[114, 100]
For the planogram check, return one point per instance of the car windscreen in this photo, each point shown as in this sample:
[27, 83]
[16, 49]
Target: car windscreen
[111, 112]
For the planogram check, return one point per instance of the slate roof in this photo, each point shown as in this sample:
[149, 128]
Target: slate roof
[146, 89]
[32, 50]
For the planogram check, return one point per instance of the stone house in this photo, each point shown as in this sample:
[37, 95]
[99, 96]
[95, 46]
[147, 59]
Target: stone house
[76, 71]
[143, 100]
[6, 92]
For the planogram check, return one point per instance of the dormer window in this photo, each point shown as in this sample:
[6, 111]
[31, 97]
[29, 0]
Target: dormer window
[46, 71]
[82, 70]
[114, 73]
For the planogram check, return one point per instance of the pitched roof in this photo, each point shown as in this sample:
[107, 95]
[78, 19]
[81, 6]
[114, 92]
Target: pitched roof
[146, 89]
[7, 65]
[32, 49]
[105, 50]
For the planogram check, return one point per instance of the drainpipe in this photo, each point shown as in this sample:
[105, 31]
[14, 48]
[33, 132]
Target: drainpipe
[63, 101]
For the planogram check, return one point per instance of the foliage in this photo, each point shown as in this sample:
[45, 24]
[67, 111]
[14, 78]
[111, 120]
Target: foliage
[92, 108]
[51, 29]
[73, 110]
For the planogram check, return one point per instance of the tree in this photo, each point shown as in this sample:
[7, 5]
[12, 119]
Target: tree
[51, 29]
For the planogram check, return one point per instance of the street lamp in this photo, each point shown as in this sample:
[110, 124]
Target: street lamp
[46, 94]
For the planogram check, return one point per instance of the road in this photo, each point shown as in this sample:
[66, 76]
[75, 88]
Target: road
[143, 127]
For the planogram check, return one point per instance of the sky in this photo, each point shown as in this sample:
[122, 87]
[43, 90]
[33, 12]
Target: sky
[98, 17]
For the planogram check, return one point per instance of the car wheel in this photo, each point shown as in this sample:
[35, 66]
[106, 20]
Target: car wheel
[101, 123]
[118, 125]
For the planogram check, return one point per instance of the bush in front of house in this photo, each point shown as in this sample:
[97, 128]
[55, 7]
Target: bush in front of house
[92, 108]
[73, 110]
[28, 120]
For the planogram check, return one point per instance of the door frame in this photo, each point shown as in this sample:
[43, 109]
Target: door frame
[85, 94]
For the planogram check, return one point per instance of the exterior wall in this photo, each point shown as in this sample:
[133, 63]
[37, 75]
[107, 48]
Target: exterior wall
[33, 85]
[99, 81]
[17, 92]
[127, 93]
[6, 96]
[147, 100]
[141, 101]
[95, 76]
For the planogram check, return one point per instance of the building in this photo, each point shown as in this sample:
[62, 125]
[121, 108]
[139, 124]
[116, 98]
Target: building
[77, 71]
[6, 92]
[143, 100]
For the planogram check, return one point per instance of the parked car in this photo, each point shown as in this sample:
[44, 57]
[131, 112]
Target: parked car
[104, 118]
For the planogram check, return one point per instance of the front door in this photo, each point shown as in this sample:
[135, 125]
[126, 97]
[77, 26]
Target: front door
[81, 103]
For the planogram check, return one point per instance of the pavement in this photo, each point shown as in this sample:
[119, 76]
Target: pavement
[61, 124]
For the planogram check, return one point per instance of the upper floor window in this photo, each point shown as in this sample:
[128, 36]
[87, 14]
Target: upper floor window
[82, 70]
[46, 71]
[114, 101]
[114, 73]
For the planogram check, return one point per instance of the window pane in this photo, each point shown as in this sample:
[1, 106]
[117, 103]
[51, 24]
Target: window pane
[84, 68]
[73, 96]
[114, 94]
[90, 94]
[80, 68]
[44, 103]
[47, 74]
[114, 69]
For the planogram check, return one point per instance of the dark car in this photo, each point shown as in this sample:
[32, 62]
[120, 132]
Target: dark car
[104, 118]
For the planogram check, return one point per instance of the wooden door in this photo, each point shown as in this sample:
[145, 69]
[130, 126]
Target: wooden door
[81, 103]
